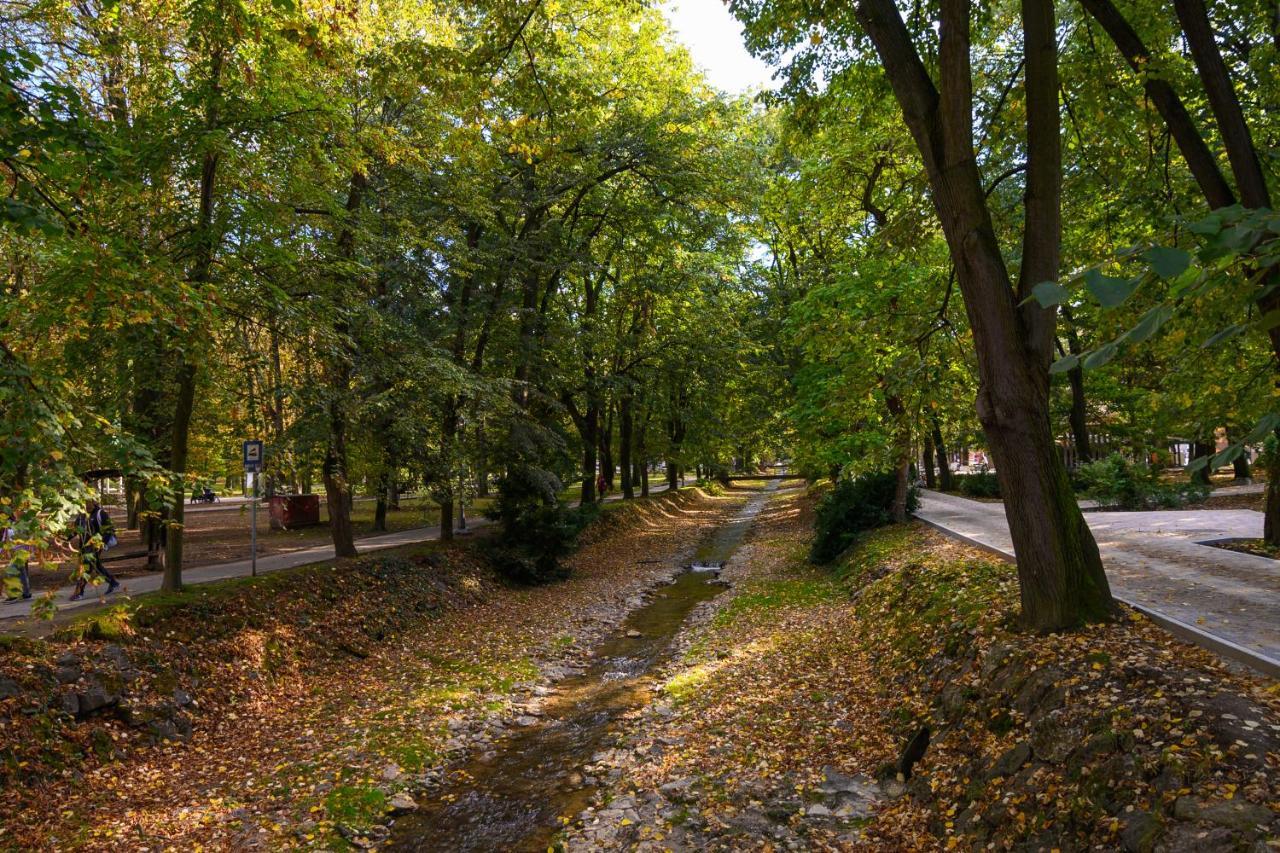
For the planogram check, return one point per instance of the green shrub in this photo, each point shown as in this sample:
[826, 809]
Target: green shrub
[852, 507]
[1117, 482]
[983, 485]
[536, 529]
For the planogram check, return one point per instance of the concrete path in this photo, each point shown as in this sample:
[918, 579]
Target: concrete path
[1221, 599]
[242, 568]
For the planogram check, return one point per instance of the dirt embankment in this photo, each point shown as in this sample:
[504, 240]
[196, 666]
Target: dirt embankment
[785, 722]
[290, 710]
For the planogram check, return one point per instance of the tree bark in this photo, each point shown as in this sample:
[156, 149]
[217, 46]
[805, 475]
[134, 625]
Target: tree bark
[945, 480]
[380, 507]
[624, 445]
[930, 478]
[172, 580]
[1061, 579]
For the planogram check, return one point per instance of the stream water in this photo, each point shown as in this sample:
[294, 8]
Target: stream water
[512, 800]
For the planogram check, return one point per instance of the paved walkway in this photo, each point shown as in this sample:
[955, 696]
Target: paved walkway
[242, 568]
[1221, 599]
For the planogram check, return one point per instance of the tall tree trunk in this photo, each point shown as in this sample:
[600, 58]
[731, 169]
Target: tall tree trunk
[1061, 579]
[673, 476]
[337, 485]
[172, 580]
[902, 457]
[380, 507]
[590, 446]
[202, 267]
[448, 436]
[945, 480]
[930, 478]
[624, 445]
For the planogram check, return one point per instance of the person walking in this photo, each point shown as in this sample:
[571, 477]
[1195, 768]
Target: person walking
[97, 535]
[19, 556]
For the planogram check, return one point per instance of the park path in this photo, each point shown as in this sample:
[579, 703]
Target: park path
[243, 568]
[1224, 600]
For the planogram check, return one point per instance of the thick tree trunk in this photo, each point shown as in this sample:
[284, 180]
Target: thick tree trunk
[930, 478]
[172, 580]
[1241, 468]
[1060, 573]
[448, 436]
[337, 487]
[624, 447]
[673, 476]
[945, 480]
[644, 479]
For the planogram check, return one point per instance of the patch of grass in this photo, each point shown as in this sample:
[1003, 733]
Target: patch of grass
[763, 597]
[686, 685]
[356, 805]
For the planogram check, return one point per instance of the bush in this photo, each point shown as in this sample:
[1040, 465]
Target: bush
[852, 507]
[1117, 482]
[537, 530]
[984, 485]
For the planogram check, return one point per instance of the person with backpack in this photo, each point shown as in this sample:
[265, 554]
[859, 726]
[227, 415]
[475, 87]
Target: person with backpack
[97, 535]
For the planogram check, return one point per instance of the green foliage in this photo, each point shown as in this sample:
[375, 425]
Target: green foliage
[853, 507]
[1115, 482]
[981, 485]
[537, 530]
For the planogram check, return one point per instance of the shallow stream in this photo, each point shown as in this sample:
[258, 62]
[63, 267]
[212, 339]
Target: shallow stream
[512, 799]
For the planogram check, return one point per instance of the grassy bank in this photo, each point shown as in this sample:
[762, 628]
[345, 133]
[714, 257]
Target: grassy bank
[285, 711]
[1113, 737]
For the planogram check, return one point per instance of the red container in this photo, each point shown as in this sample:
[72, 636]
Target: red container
[291, 511]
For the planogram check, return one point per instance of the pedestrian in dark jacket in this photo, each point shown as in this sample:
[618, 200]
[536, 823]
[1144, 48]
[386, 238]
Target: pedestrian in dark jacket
[97, 535]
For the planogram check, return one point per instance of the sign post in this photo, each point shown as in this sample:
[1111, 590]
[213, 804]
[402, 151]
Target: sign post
[252, 467]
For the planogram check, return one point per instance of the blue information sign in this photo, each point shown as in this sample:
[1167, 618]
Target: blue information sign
[252, 456]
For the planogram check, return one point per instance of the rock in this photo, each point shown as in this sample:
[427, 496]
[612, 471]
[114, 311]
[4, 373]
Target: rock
[817, 810]
[117, 657]
[391, 773]
[67, 674]
[69, 703]
[1228, 716]
[1139, 832]
[1038, 690]
[1050, 741]
[633, 633]
[526, 720]
[9, 688]
[402, 803]
[1234, 814]
[182, 698]
[892, 788]
[69, 659]
[678, 790]
[1190, 838]
[95, 699]
[1011, 761]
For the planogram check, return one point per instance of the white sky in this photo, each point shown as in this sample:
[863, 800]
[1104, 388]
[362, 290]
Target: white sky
[714, 39]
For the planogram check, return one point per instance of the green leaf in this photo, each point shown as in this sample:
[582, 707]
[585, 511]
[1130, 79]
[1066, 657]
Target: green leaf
[1222, 335]
[1101, 356]
[1062, 365]
[1109, 291]
[1149, 324]
[1226, 456]
[1266, 424]
[1049, 294]
[1167, 262]
[1197, 463]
